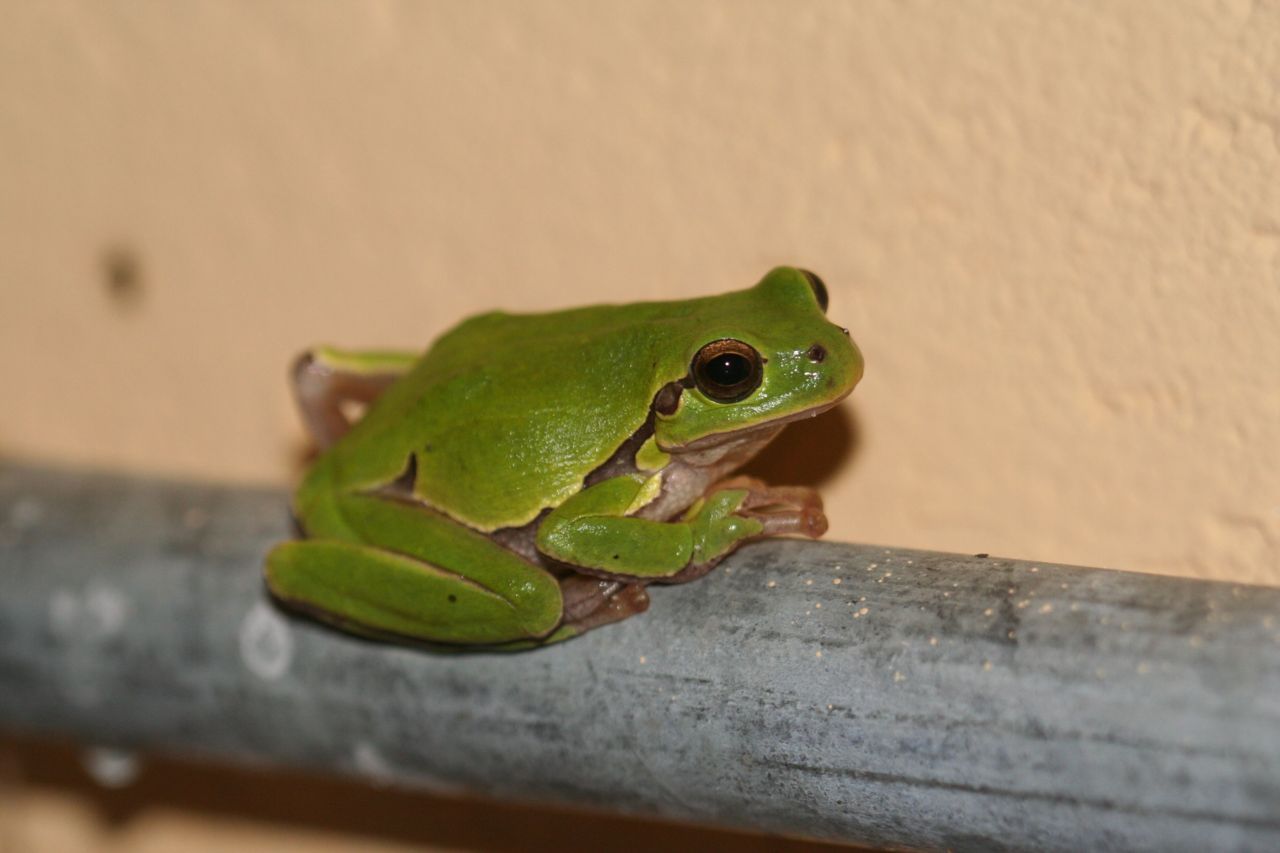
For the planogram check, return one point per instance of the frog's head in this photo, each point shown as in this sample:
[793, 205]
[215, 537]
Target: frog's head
[759, 359]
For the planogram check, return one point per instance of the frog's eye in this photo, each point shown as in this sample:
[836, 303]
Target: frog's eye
[727, 370]
[819, 289]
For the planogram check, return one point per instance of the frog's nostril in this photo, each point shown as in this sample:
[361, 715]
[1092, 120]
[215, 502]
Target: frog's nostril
[817, 353]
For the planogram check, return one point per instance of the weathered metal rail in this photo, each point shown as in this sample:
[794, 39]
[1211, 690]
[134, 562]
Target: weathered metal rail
[876, 695]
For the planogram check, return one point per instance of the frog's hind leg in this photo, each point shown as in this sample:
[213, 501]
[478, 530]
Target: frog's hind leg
[327, 381]
[388, 568]
[381, 594]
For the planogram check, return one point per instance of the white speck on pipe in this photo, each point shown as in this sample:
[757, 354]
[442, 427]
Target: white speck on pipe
[112, 768]
[370, 763]
[26, 513]
[266, 644]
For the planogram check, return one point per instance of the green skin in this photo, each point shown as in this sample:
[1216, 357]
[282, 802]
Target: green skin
[457, 510]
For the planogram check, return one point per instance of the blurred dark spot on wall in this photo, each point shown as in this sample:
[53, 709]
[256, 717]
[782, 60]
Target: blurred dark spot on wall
[122, 277]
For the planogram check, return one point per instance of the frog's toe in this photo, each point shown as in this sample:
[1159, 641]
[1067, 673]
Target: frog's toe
[794, 497]
[761, 495]
[806, 521]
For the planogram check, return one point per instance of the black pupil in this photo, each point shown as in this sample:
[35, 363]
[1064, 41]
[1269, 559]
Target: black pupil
[727, 369]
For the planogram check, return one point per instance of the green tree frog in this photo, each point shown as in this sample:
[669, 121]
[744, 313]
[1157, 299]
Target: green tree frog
[530, 475]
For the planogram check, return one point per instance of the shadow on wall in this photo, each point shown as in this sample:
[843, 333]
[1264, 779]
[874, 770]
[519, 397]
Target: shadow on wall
[292, 800]
[810, 452]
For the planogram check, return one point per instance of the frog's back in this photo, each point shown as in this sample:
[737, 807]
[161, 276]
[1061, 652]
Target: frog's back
[507, 414]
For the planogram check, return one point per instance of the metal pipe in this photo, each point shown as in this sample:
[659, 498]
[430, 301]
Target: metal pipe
[858, 693]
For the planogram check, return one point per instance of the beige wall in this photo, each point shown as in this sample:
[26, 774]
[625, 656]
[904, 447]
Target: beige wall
[1054, 228]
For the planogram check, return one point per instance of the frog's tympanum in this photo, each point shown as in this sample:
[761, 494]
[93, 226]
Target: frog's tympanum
[529, 476]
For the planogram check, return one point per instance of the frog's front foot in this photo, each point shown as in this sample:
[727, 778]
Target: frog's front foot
[782, 510]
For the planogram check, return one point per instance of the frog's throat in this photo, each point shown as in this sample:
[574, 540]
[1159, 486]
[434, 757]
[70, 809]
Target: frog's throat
[737, 436]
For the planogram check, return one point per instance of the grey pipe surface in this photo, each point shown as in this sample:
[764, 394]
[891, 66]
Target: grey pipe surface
[859, 693]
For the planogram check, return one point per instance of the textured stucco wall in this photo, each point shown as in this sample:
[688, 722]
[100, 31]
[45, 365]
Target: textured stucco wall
[1053, 227]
